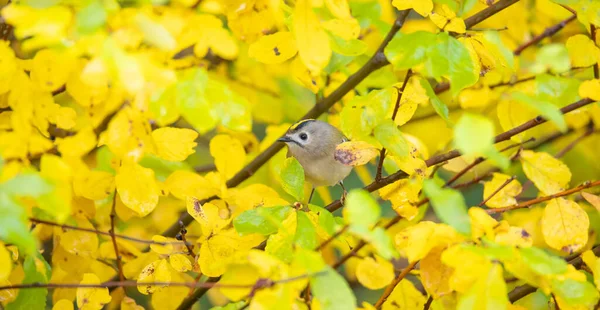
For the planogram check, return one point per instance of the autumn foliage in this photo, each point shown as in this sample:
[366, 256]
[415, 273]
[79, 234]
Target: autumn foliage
[139, 167]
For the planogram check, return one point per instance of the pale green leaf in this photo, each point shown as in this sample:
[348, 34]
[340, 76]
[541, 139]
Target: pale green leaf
[449, 205]
[292, 178]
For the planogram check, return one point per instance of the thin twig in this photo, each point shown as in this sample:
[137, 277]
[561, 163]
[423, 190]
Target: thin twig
[135, 283]
[545, 198]
[503, 185]
[550, 31]
[428, 303]
[333, 237]
[396, 108]
[99, 232]
[113, 215]
[390, 288]
[181, 236]
[593, 30]
[466, 169]
[571, 145]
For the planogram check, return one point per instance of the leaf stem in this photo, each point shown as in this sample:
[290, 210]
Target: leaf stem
[390, 288]
[113, 215]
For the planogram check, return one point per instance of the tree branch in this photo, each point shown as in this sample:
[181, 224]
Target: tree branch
[99, 232]
[593, 30]
[396, 108]
[113, 214]
[529, 203]
[390, 288]
[548, 32]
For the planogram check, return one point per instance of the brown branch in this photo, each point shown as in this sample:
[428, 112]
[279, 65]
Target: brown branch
[529, 203]
[503, 185]
[466, 169]
[571, 145]
[488, 12]
[129, 283]
[181, 236]
[99, 232]
[390, 288]
[593, 30]
[113, 214]
[428, 303]
[548, 32]
[396, 108]
[524, 290]
[333, 237]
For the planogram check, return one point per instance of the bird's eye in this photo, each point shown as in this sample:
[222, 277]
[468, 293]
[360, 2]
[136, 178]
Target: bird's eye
[303, 136]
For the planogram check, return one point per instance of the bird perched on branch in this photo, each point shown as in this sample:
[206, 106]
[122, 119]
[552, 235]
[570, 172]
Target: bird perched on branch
[313, 143]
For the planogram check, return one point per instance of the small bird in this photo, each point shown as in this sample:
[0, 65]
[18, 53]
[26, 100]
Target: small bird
[312, 143]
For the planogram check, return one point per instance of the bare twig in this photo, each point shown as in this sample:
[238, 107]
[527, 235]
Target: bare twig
[99, 232]
[545, 198]
[113, 215]
[333, 237]
[503, 185]
[593, 31]
[396, 108]
[181, 236]
[550, 31]
[390, 288]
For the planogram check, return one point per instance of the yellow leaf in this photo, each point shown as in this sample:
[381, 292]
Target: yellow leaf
[590, 89]
[339, 8]
[92, 298]
[132, 268]
[464, 275]
[374, 274]
[582, 51]
[414, 95]
[238, 274]
[128, 134]
[506, 196]
[482, 224]
[157, 271]
[355, 153]
[305, 77]
[423, 7]
[274, 48]
[78, 145]
[207, 215]
[404, 296]
[475, 98]
[216, 253]
[435, 274]
[180, 262]
[94, 185]
[137, 188]
[182, 183]
[346, 29]
[169, 298]
[312, 41]
[592, 199]
[565, 225]
[8, 66]
[414, 242]
[174, 144]
[159, 248]
[229, 154]
[549, 174]
[128, 303]
[63, 304]
[51, 69]
[5, 263]
[594, 264]
[403, 194]
[514, 236]
[457, 25]
[443, 17]
[80, 243]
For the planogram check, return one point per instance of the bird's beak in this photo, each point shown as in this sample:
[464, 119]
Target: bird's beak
[285, 139]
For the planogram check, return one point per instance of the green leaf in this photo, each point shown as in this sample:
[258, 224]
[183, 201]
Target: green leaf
[388, 134]
[461, 70]
[229, 107]
[489, 292]
[474, 135]
[546, 109]
[352, 47]
[379, 239]
[440, 107]
[306, 233]
[326, 220]
[493, 37]
[541, 262]
[155, 33]
[534, 301]
[163, 168]
[553, 57]
[327, 286]
[332, 291]
[361, 209]
[408, 50]
[13, 227]
[263, 220]
[1, 164]
[192, 103]
[449, 205]
[281, 245]
[231, 306]
[556, 89]
[292, 178]
[28, 184]
[363, 113]
[91, 17]
[32, 298]
[575, 293]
